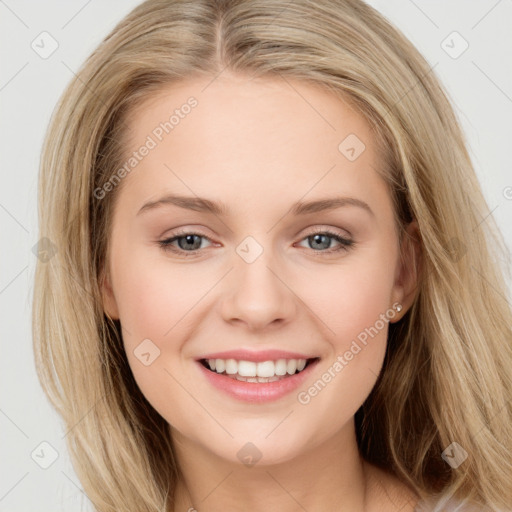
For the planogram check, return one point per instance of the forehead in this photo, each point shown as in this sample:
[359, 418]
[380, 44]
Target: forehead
[267, 136]
[234, 112]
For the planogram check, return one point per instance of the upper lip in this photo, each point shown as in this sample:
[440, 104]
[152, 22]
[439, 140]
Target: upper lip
[256, 356]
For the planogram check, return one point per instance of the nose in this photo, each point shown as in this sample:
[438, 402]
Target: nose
[256, 294]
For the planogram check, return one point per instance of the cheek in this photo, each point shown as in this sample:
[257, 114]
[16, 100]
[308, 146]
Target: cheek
[154, 296]
[357, 315]
[165, 301]
[365, 299]
[351, 297]
[158, 304]
[355, 306]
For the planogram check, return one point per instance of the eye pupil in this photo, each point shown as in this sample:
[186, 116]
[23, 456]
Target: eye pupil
[317, 239]
[189, 240]
[192, 243]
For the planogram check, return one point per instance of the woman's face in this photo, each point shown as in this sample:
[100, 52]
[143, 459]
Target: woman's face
[224, 248]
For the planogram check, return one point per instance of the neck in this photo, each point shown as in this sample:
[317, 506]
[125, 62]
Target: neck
[328, 477]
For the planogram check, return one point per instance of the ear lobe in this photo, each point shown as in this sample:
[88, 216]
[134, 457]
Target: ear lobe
[109, 300]
[406, 281]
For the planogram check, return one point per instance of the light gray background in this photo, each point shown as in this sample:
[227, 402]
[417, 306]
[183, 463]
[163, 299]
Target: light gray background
[479, 83]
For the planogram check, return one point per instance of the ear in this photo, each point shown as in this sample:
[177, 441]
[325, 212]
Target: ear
[109, 300]
[408, 270]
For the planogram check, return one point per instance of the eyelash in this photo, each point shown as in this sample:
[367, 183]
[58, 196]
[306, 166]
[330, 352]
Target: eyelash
[345, 243]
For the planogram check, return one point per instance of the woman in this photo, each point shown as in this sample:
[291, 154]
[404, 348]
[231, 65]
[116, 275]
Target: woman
[338, 338]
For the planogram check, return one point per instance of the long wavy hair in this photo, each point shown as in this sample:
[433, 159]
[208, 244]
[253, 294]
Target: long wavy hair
[447, 372]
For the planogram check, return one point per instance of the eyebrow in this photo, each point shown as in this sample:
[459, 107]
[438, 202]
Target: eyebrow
[201, 204]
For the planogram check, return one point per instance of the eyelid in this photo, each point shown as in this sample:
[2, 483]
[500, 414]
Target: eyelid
[319, 228]
[180, 233]
[315, 229]
[345, 243]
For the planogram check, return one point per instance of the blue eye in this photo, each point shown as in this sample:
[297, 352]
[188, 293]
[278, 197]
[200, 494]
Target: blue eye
[322, 240]
[189, 243]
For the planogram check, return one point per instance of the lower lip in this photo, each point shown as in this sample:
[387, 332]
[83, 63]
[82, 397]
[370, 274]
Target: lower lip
[257, 391]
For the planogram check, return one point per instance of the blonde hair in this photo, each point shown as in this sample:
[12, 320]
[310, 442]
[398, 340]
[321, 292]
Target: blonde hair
[446, 377]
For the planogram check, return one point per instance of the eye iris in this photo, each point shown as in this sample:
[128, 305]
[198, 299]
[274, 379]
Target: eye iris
[317, 239]
[189, 240]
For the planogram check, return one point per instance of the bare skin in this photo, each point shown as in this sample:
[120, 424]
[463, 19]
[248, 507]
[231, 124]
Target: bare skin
[259, 147]
[374, 490]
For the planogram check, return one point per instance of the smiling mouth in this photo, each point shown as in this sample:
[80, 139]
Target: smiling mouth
[257, 372]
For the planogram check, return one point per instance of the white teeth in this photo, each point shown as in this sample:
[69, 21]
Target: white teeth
[291, 366]
[254, 379]
[231, 366]
[247, 368]
[280, 367]
[263, 371]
